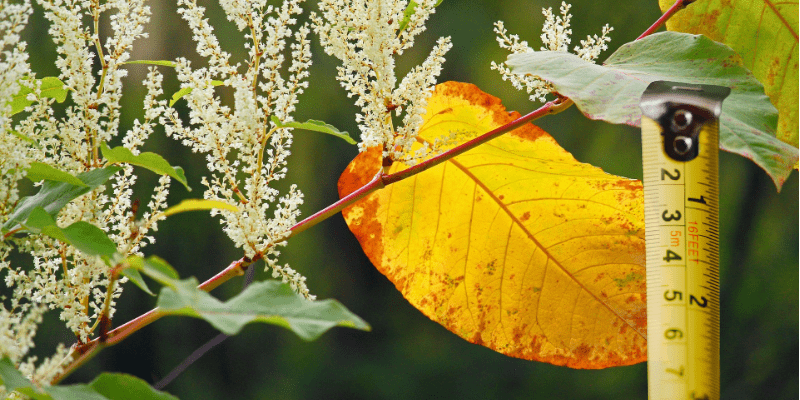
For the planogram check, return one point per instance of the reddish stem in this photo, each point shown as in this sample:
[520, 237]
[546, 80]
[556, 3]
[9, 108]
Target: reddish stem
[88, 350]
[382, 180]
[553, 107]
[679, 5]
[236, 268]
[376, 183]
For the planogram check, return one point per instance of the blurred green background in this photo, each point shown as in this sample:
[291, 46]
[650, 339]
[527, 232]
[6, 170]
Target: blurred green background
[407, 356]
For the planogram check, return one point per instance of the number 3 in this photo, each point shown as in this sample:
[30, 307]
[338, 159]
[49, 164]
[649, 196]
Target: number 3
[676, 216]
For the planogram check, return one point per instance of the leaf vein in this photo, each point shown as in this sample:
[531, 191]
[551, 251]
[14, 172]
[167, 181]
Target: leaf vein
[536, 242]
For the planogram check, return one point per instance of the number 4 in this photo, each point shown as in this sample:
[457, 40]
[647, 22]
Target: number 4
[671, 255]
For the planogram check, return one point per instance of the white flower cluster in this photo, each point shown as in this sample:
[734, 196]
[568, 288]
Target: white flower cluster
[59, 277]
[593, 45]
[13, 67]
[555, 37]
[243, 141]
[555, 32]
[366, 35]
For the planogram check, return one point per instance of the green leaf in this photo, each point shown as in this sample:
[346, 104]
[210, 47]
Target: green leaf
[107, 386]
[270, 302]
[126, 387]
[198, 205]
[39, 171]
[74, 392]
[52, 88]
[179, 94]
[611, 92]
[84, 236]
[743, 25]
[53, 196]
[164, 63]
[409, 11]
[13, 380]
[151, 161]
[316, 126]
[154, 267]
[135, 277]
[184, 91]
[38, 219]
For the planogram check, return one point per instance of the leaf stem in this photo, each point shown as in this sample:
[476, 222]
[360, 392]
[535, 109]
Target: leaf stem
[679, 5]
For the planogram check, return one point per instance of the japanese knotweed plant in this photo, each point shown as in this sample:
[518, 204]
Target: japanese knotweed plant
[72, 247]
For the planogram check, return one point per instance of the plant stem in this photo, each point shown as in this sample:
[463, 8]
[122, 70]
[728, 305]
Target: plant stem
[87, 351]
[376, 183]
[261, 149]
[104, 322]
[382, 180]
[95, 154]
[236, 268]
[679, 5]
[552, 107]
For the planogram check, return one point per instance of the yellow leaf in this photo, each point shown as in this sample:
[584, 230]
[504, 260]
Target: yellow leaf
[764, 33]
[513, 245]
[198, 205]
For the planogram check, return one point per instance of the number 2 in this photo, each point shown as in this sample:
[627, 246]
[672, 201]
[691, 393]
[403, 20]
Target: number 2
[665, 173]
[700, 303]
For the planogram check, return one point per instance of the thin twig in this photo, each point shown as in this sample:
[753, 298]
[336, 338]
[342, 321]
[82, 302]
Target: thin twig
[679, 5]
[87, 351]
[201, 351]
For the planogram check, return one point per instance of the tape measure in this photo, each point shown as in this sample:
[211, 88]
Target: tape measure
[680, 142]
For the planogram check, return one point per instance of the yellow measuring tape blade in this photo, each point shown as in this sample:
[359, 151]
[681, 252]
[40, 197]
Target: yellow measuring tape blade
[681, 220]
